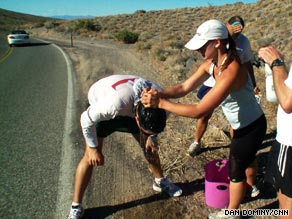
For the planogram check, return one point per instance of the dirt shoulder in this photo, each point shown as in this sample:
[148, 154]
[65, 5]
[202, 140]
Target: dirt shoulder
[132, 196]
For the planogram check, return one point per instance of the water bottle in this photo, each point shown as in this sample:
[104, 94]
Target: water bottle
[270, 91]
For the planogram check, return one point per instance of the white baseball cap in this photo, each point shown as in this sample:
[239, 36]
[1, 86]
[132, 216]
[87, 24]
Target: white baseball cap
[209, 30]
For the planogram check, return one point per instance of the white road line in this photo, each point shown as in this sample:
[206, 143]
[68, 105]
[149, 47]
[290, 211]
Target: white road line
[66, 174]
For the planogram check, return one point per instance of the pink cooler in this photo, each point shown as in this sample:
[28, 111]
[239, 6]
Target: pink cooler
[217, 184]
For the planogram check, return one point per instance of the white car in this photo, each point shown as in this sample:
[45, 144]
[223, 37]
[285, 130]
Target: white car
[18, 37]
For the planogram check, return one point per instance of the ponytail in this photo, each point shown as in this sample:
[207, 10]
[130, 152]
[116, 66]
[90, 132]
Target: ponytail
[231, 52]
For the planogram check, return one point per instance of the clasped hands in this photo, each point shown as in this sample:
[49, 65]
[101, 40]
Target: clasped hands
[150, 98]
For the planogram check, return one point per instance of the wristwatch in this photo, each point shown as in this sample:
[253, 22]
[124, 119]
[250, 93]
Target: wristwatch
[277, 62]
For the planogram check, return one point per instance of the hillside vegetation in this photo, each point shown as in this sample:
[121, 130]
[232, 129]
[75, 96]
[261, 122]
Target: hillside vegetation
[163, 34]
[12, 20]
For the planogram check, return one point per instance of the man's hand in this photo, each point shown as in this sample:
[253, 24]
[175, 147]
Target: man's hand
[256, 90]
[269, 54]
[151, 150]
[150, 98]
[151, 145]
[95, 157]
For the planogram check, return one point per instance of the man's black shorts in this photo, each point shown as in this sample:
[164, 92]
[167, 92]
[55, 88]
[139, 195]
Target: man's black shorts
[118, 124]
[279, 168]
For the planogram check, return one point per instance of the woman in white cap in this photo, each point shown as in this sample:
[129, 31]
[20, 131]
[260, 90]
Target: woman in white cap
[235, 94]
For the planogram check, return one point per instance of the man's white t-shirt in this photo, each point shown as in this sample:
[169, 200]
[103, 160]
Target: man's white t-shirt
[110, 97]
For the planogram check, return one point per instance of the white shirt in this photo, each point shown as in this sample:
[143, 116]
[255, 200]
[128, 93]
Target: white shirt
[284, 120]
[110, 97]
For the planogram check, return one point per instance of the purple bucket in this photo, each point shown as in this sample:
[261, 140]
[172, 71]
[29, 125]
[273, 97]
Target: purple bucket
[217, 184]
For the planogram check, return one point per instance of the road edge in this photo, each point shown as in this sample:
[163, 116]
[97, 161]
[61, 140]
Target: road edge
[66, 172]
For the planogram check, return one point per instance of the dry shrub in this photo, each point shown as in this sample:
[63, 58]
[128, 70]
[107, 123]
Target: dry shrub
[140, 46]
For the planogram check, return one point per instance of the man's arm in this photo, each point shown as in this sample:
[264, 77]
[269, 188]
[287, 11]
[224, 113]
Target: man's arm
[92, 143]
[249, 67]
[284, 93]
[88, 129]
[95, 113]
[247, 57]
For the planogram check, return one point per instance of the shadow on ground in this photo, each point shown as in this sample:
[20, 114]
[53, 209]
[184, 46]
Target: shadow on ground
[105, 211]
[102, 212]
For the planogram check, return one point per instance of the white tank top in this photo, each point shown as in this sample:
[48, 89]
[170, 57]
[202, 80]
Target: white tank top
[241, 107]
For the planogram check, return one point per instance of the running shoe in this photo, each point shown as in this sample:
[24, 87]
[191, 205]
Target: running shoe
[254, 191]
[76, 212]
[168, 187]
[194, 149]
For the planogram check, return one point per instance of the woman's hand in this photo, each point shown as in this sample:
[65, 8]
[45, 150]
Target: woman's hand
[234, 29]
[150, 98]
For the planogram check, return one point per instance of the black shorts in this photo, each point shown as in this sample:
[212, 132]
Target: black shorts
[279, 168]
[119, 124]
[244, 146]
[203, 91]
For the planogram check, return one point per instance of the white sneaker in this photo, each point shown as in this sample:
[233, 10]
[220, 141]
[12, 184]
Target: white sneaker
[166, 186]
[76, 212]
[194, 149]
[254, 191]
[221, 215]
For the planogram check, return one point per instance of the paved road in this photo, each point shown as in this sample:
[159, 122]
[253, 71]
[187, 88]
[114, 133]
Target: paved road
[36, 122]
[40, 148]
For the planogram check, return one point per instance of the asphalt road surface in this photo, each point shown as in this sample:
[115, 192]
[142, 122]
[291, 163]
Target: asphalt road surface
[36, 112]
[41, 144]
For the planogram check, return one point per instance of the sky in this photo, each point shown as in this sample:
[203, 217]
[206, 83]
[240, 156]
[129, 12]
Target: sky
[49, 8]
